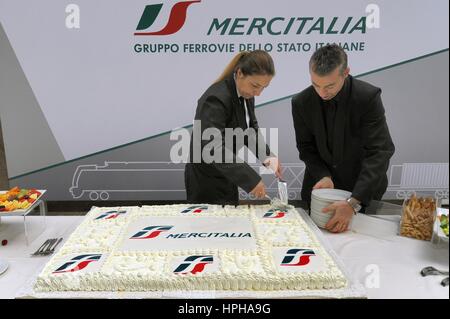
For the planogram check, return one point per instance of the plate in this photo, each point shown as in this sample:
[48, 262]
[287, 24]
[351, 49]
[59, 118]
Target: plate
[3, 266]
[329, 194]
[21, 211]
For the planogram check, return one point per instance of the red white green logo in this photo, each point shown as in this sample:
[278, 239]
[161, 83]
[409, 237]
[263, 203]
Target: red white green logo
[176, 20]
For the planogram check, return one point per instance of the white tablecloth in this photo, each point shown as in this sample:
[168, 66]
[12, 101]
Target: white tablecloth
[386, 264]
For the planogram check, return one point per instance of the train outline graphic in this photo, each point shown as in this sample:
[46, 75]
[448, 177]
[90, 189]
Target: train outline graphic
[99, 182]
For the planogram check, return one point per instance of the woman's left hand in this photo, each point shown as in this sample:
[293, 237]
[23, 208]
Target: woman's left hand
[274, 164]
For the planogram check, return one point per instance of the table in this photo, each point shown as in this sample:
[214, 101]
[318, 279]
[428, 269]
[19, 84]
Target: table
[386, 264]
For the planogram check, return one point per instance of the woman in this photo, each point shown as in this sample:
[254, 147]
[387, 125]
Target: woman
[229, 104]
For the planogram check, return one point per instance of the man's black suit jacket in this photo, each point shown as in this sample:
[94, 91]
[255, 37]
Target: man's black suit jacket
[362, 145]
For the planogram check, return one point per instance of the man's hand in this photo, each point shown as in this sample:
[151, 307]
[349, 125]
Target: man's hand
[342, 217]
[274, 164]
[259, 191]
[325, 182]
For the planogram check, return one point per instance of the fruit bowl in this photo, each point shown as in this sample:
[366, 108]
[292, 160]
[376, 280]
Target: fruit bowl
[18, 199]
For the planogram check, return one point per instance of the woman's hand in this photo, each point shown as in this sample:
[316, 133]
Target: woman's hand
[259, 191]
[274, 164]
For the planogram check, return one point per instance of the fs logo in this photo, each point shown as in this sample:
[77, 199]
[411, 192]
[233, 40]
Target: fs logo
[193, 265]
[195, 209]
[275, 213]
[297, 257]
[150, 232]
[111, 215]
[176, 20]
[77, 263]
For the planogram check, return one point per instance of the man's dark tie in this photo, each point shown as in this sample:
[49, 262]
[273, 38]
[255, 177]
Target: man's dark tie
[242, 111]
[330, 117]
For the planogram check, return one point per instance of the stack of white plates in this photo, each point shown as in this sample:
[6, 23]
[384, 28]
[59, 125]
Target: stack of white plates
[321, 198]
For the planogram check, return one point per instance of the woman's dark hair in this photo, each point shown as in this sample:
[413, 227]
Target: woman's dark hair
[256, 62]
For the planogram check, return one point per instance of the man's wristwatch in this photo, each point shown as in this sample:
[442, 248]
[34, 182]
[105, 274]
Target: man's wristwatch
[355, 204]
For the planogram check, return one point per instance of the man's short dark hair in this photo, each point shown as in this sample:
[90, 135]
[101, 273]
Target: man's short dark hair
[327, 58]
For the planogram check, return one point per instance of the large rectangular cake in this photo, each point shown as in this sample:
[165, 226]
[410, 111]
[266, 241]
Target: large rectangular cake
[182, 247]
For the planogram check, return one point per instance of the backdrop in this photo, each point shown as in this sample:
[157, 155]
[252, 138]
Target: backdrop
[90, 90]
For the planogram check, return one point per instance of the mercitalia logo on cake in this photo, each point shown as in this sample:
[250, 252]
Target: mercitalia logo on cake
[195, 209]
[154, 233]
[297, 257]
[275, 213]
[194, 265]
[298, 260]
[150, 232]
[111, 215]
[175, 23]
[77, 263]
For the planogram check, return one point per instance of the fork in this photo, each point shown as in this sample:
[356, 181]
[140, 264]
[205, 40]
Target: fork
[427, 271]
[41, 249]
[51, 248]
[50, 244]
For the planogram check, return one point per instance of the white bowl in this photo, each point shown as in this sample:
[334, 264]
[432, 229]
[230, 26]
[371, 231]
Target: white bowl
[319, 222]
[330, 194]
[321, 216]
[319, 206]
[319, 209]
[321, 198]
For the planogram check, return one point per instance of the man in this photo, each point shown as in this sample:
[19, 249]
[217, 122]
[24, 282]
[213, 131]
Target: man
[341, 135]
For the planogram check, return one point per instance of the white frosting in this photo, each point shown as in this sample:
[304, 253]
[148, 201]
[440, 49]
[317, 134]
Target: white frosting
[269, 259]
